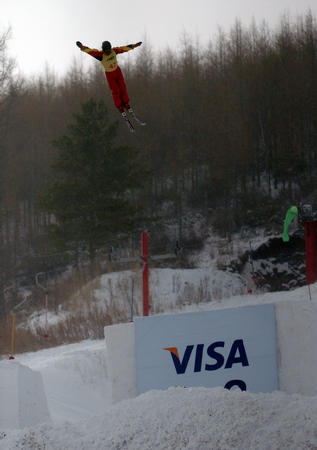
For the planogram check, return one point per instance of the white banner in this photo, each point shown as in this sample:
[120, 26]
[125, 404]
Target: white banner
[233, 348]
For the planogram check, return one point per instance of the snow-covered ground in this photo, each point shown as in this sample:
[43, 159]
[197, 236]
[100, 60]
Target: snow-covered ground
[178, 418]
[82, 417]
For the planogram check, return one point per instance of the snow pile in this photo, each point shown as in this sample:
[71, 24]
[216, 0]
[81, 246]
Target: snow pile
[193, 418]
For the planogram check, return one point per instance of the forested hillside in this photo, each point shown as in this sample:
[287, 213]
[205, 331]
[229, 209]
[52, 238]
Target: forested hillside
[231, 132]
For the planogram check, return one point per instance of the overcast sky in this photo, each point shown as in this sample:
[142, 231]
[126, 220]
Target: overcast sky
[45, 31]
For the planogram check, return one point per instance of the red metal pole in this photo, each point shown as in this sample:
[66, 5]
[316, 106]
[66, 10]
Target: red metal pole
[145, 257]
[311, 251]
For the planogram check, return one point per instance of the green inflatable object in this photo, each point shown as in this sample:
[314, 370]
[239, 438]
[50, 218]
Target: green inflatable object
[291, 213]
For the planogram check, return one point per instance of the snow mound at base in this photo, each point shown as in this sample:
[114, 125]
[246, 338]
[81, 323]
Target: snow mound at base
[192, 418]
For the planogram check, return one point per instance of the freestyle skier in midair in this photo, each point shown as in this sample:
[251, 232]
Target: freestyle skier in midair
[108, 58]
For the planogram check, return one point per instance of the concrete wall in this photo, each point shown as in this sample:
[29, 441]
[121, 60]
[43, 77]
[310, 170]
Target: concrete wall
[297, 346]
[121, 360]
[22, 399]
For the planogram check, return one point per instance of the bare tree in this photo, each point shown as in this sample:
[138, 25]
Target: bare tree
[6, 70]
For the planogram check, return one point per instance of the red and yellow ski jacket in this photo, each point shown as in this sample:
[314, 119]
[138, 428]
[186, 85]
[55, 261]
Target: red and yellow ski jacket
[109, 62]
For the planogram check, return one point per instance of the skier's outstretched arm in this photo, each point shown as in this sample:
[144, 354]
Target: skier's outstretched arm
[126, 48]
[91, 51]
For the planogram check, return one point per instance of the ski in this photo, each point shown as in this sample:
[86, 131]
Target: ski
[127, 121]
[136, 118]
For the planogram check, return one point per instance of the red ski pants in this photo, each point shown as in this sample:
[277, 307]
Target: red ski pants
[118, 89]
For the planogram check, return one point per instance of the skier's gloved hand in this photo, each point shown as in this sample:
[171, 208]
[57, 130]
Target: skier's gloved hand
[79, 44]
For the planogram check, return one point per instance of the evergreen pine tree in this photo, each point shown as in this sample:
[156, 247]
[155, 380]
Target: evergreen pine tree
[92, 197]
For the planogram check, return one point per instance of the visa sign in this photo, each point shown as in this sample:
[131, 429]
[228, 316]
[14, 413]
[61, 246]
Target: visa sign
[229, 348]
[237, 355]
